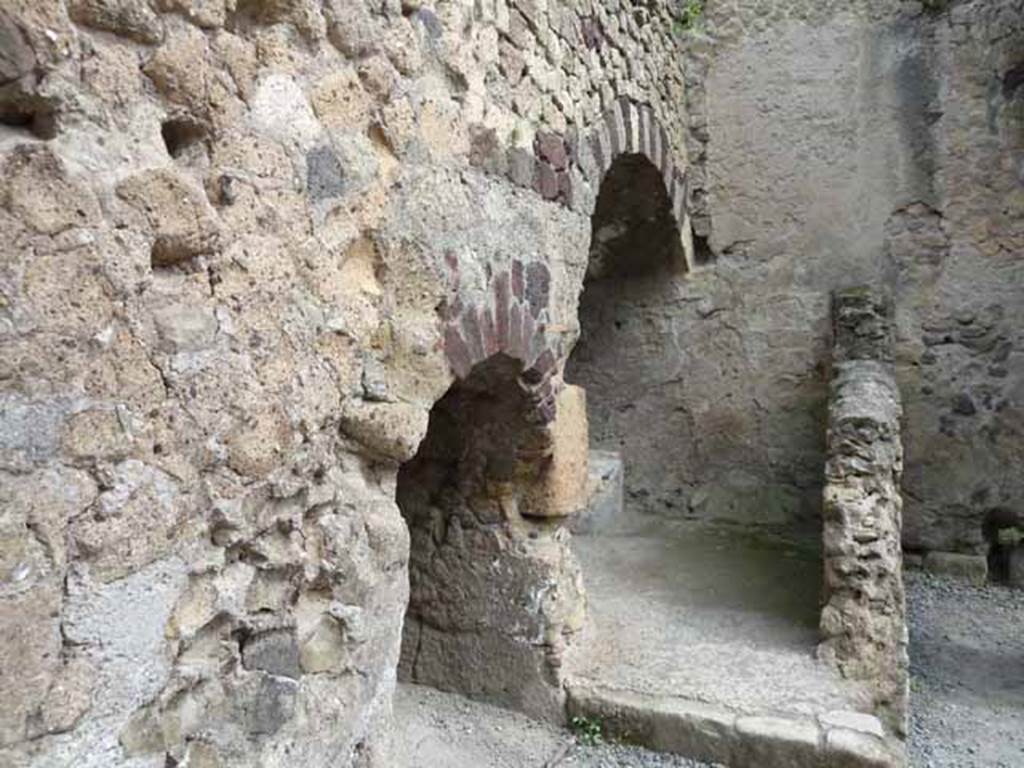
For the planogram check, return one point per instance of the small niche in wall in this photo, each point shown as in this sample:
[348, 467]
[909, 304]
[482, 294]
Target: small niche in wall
[28, 113]
[702, 253]
[183, 134]
[1004, 533]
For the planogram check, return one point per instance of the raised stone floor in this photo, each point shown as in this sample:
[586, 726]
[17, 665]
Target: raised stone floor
[700, 640]
[707, 614]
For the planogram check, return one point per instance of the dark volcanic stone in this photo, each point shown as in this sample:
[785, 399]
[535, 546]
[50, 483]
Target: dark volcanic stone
[325, 178]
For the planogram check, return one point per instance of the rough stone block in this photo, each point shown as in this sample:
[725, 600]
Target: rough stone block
[561, 489]
[516, 346]
[538, 287]
[140, 518]
[389, 430]
[666, 724]
[178, 212]
[457, 352]
[267, 703]
[16, 55]
[325, 178]
[550, 147]
[970, 568]
[604, 507]
[275, 652]
[545, 181]
[779, 741]
[845, 748]
[854, 721]
[186, 327]
[324, 649]
[40, 191]
[129, 18]
[205, 13]
[473, 335]
[486, 152]
[30, 646]
[520, 167]
[862, 324]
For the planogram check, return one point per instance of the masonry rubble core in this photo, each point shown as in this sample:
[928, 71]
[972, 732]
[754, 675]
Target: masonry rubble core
[256, 248]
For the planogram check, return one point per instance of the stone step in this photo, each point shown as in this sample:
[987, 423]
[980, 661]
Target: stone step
[604, 507]
[714, 734]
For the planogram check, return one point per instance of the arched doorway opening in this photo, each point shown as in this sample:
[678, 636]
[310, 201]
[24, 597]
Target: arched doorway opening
[623, 356]
[495, 592]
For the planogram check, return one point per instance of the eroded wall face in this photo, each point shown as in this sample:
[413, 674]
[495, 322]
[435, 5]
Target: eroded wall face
[869, 143]
[236, 236]
[962, 309]
[496, 594]
[628, 356]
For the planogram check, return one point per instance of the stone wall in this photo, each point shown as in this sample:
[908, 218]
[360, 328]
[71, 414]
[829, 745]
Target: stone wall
[863, 623]
[959, 270]
[626, 356]
[849, 143]
[250, 243]
[496, 593]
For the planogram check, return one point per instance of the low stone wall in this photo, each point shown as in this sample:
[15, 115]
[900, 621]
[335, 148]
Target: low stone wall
[863, 624]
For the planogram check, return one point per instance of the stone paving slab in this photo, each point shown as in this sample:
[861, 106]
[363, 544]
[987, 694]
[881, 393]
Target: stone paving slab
[710, 733]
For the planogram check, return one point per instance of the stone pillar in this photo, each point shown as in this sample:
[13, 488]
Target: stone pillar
[863, 624]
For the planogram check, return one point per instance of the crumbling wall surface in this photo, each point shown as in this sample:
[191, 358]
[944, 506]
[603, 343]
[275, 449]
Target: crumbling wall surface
[246, 243]
[496, 595]
[959, 270]
[868, 142]
[626, 356]
[863, 623]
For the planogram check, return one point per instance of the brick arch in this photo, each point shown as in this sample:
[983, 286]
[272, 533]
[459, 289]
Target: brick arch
[627, 127]
[508, 318]
[510, 315]
[630, 128]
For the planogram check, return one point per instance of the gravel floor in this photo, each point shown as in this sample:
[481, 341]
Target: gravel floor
[619, 756]
[967, 674]
[444, 730]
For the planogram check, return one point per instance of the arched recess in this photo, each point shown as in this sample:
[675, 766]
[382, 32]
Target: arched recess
[569, 167]
[632, 130]
[495, 592]
[627, 357]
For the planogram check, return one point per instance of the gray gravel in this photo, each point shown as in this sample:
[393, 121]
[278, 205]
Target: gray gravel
[621, 756]
[967, 674]
[444, 730]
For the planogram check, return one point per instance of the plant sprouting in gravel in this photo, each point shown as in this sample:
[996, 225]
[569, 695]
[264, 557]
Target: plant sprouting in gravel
[588, 731]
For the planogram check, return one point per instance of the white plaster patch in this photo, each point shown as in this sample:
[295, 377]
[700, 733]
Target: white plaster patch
[280, 110]
[121, 626]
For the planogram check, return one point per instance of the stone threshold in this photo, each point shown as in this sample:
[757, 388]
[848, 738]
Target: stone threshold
[714, 734]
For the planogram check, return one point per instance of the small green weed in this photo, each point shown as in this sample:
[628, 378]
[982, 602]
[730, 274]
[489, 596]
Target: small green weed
[588, 731]
[691, 17]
